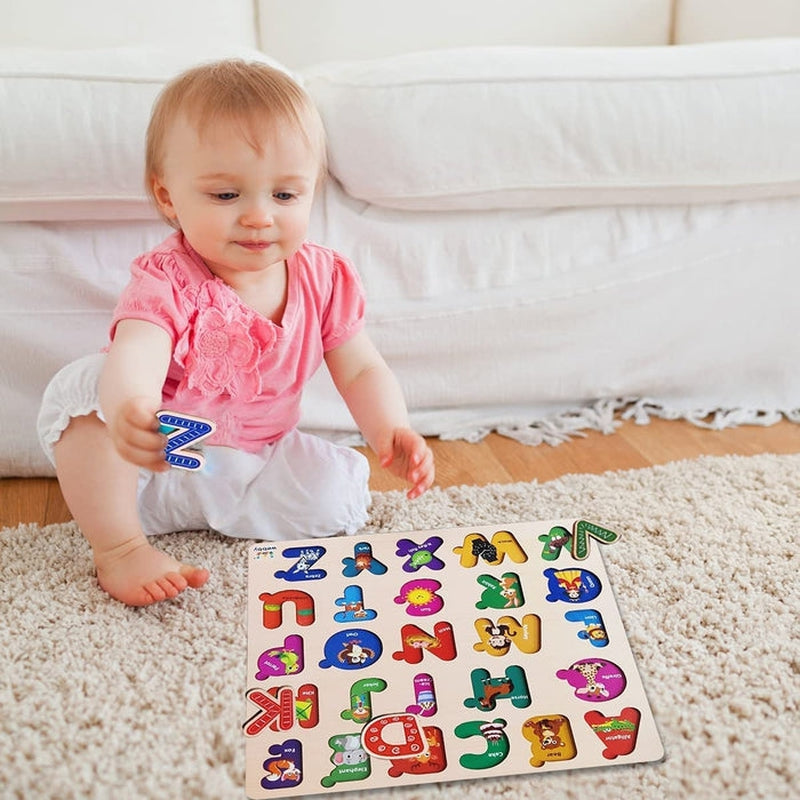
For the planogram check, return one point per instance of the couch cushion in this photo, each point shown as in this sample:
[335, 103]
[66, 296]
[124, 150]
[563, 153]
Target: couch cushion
[713, 20]
[358, 29]
[542, 127]
[72, 144]
[99, 23]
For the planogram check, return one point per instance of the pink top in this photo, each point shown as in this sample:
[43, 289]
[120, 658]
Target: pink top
[229, 363]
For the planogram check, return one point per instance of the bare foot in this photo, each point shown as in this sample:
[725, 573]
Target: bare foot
[138, 574]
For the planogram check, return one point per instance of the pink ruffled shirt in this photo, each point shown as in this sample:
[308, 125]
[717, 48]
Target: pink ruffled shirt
[229, 363]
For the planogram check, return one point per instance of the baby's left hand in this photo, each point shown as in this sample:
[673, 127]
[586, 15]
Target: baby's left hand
[408, 456]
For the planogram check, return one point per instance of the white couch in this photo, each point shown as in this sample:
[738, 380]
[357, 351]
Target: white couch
[559, 207]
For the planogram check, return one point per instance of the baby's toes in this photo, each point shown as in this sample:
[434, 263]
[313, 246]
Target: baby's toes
[154, 592]
[194, 576]
[172, 584]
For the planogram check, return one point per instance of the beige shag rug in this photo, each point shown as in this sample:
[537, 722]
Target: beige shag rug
[101, 701]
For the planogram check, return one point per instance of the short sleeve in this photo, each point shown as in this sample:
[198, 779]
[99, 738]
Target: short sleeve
[344, 314]
[153, 295]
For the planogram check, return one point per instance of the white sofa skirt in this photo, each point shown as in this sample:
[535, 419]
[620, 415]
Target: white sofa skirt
[536, 323]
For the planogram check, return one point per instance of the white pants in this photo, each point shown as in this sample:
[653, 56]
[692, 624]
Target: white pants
[298, 487]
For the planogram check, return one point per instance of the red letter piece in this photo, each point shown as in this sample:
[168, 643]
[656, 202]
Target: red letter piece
[441, 643]
[273, 607]
[276, 710]
[434, 760]
[618, 734]
[410, 742]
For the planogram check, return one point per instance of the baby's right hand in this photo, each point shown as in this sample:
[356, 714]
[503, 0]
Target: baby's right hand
[134, 431]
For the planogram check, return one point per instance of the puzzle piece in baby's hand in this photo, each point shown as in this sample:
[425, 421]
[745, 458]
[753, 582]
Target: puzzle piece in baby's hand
[184, 433]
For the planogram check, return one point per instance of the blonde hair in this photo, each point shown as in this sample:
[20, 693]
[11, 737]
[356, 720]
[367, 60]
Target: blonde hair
[254, 95]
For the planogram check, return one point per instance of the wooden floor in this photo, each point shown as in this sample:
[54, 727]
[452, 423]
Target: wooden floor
[497, 460]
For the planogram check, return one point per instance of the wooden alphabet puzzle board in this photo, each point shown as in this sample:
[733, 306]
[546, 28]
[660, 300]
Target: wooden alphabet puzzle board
[398, 659]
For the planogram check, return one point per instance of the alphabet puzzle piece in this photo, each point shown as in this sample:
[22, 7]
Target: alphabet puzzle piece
[476, 546]
[594, 680]
[551, 739]
[420, 555]
[395, 736]
[276, 710]
[279, 708]
[360, 710]
[571, 585]
[285, 660]
[350, 759]
[553, 542]
[441, 643]
[486, 690]
[362, 561]
[618, 734]
[303, 569]
[284, 768]
[420, 595]
[494, 735]
[594, 630]
[503, 592]
[424, 696]
[583, 531]
[352, 601]
[272, 610]
[351, 649]
[184, 434]
[496, 638]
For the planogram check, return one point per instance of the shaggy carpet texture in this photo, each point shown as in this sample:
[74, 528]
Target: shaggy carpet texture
[102, 701]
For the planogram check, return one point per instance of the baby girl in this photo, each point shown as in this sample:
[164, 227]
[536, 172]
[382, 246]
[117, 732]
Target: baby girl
[227, 319]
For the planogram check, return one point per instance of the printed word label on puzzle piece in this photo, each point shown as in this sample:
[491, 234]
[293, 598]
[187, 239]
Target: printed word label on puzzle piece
[184, 434]
[495, 740]
[594, 679]
[350, 760]
[550, 738]
[617, 733]
[284, 767]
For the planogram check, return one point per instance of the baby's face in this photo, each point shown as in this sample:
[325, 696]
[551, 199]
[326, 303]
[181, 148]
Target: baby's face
[242, 209]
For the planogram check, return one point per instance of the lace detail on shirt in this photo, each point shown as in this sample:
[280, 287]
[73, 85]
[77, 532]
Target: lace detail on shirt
[221, 352]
